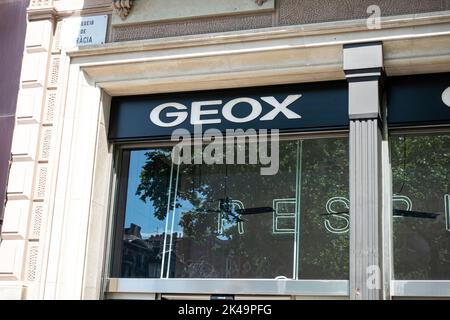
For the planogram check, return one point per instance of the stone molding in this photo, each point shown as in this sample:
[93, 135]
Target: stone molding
[305, 53]
[41, 9]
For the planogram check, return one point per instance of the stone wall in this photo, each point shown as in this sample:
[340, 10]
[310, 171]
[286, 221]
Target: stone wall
[287, 12]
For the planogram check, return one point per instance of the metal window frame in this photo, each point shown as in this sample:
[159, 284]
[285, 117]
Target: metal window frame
[411, 130]
[135, 287]
[336, 288]
[421, 288]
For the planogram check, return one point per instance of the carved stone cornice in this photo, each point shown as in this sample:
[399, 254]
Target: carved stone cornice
[122, 7]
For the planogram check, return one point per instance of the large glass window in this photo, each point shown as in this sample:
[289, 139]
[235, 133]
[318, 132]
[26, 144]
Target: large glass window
[229, 221]
[421, 201]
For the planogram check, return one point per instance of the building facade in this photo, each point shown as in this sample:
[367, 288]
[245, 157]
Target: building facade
[358, 208]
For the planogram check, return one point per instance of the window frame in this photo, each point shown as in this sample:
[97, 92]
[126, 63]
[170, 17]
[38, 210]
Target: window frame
[145, 286]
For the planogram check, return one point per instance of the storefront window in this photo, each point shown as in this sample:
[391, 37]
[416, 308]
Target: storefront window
[229, 221]
[421, 182]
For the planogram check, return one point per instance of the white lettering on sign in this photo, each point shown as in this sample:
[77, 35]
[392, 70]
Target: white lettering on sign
[179, 116]
[281, 107]
[447, 212]
[82, 31]
[197, 112]
[200, 109]
[228, 110]
[446, 97]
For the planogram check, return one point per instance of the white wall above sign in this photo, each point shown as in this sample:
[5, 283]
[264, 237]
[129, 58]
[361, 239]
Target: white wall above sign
[83, 31]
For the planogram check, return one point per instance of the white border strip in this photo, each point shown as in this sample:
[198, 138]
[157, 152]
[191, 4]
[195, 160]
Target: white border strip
[231, 286]
[420, 288]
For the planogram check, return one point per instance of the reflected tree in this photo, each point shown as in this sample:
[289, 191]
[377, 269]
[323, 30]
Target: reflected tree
[421, 171]
[258, 252]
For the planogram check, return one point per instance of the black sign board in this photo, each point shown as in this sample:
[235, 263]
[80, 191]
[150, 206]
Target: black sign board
[419, 100]
[289, 108]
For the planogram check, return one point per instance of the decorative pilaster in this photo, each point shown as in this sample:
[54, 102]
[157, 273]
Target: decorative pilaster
[363, 65]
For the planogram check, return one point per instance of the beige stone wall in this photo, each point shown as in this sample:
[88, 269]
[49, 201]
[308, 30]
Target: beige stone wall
[28, 204]
[287, 12]
[292, 12]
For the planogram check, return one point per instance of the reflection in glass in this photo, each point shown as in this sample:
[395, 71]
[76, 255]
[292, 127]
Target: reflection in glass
[421, 172]
[324, 229]
[229, 221]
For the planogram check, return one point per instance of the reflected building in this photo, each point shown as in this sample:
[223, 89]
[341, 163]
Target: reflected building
[141, 257]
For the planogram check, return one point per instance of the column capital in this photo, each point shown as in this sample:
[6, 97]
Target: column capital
[363, 67]
[363, 61]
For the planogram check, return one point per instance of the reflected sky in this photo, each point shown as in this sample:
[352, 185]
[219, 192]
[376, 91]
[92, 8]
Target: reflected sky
[143, 213]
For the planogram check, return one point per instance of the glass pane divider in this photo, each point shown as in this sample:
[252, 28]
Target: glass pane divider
[167, 221]
[297, 209]
[174, 211]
